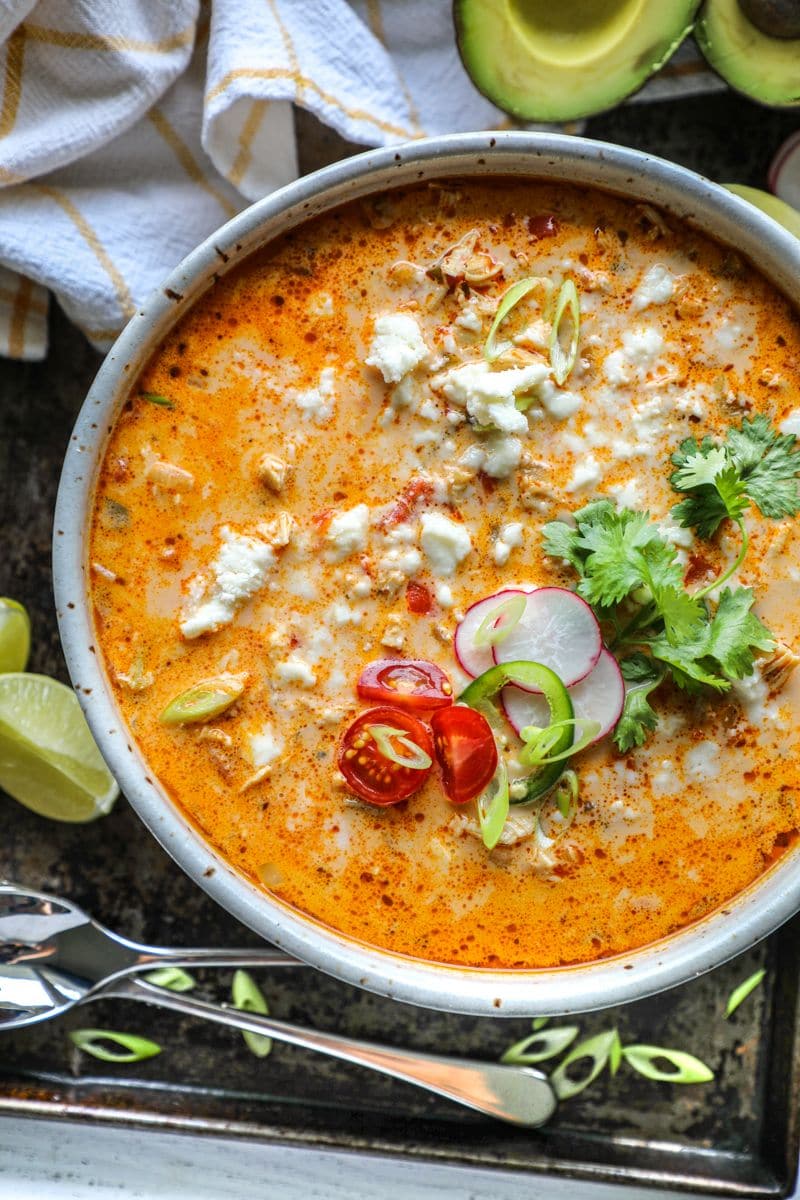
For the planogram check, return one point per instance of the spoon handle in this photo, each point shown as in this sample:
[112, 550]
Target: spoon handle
[153, 956]
[516, 1094]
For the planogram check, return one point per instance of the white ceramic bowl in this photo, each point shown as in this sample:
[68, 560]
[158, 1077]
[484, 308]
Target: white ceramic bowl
[750, 916]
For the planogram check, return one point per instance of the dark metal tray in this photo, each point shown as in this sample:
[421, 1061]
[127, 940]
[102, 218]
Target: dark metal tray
[739, 1135]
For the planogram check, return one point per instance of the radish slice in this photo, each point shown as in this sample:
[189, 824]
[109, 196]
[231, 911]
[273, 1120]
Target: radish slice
[784, 171]
[477, 659]
[557, 629]
[598, 697]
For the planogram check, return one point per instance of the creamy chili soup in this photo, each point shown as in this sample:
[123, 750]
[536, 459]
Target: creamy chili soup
[330, 461]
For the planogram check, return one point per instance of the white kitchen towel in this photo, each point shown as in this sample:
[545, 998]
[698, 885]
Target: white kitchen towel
[131, 129]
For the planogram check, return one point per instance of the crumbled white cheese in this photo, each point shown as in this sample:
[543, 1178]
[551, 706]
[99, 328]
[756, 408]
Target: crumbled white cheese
[317, 403]
[503, 455]
[294, 670]
[446, 543]
[657, 287]
[753, 695]
[401, 535]
[727, 334]
[407, 561]
[626, 495]
[265, 747]
[340, 613]
[511, 536]
[348, 532]
[640, 348]
[362, 587]
[425, 437]
[791, 424]
[490, 396]
[236, 573]
[444, 595]
[428, 410]
[559, 403]
[665, 780]
[676, 534]
[702, 762]
[397, 346]
[469, 319]
[585, 474]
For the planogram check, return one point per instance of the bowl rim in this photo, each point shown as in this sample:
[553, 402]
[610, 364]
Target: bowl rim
[727, 931]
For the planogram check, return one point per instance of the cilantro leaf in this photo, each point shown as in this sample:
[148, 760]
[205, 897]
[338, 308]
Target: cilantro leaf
[560, 541]
[769, 463]
[735, 632]
[754, 463]
[638, 716]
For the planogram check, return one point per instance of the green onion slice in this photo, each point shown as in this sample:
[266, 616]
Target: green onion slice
[615, 1054]
[739, 994]
[539, 1023]
[539, 743]
[386, 738]
[493, 807]
[135, 1049]
[540, 1045]
[248, 997]
[562, 361]
[204, 700]
[173, 978]
[510, 299]
[598, 1049]
[688, 1069]
[497, 624]
[566, 795]
[157, 398]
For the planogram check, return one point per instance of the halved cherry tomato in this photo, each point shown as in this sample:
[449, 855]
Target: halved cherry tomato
[409, 683]
[373, 776]
[466, 750]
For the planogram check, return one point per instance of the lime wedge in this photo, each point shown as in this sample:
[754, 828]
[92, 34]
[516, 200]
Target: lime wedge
[48, 758]
[15, 635]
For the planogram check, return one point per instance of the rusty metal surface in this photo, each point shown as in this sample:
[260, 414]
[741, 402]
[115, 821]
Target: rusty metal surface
[736, 1136]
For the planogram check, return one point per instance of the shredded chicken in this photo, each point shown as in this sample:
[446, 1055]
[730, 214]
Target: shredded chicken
[777, 669]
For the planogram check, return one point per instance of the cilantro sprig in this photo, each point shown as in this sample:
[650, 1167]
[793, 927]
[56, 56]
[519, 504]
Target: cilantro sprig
[754, 465]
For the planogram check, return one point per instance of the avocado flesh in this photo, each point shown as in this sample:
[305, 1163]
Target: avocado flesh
[765, 68]
[557, 60]
[773, 206]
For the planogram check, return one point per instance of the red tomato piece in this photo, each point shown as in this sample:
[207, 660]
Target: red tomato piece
[414, 491]
[543, 226]
[410, 683]
[371, 774]
[418, 598]
[466, 750]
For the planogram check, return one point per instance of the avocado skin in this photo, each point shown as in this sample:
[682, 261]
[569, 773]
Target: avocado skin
[764, 68]
[560, 92]
[774, 18]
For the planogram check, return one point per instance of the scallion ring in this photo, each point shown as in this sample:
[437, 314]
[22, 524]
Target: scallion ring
[740, 994]
[598, 1049]
[510, 299]
[540, 1045]
[493, 805]
[386, 737]
[687, 1068]
[175, 979]
[566, 794]
[498, 623]
[135, 1049]
[562, 361]
[248, 997]
[540, 742]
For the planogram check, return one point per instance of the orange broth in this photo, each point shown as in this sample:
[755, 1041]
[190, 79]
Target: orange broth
[271, 361]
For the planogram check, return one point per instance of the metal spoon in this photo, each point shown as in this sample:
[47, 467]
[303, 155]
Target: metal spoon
[53, 957]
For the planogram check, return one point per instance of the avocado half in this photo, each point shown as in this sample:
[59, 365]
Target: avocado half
[557, 60]
[765, 68]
